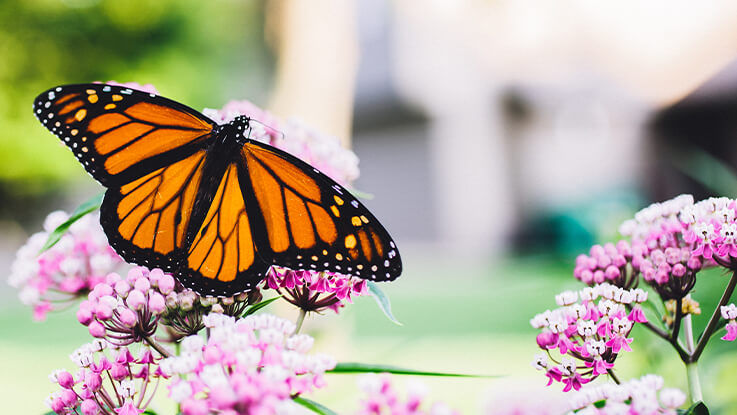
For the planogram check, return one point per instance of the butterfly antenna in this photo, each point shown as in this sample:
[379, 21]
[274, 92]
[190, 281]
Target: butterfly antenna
[268, 127]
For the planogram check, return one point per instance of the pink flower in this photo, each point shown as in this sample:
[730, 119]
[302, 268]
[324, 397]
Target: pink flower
[315, 291]
[382, 398]
[731, 331]
[99, 381]
[128, 409]
[68, 270]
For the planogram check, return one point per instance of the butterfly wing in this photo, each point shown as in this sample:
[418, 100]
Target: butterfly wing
[120, 134]
[222, 259]
[308, 221]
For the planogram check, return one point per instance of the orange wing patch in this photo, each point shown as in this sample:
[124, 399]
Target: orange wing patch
[224, 245]
[289, 200]
[154, 210]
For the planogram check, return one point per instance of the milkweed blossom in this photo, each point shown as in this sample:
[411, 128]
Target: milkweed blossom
[68, 270]
[315, 291]
[643, 396]
[249, 365]
[589, 330]
[110, 380]
[322, 151]
[382, 397]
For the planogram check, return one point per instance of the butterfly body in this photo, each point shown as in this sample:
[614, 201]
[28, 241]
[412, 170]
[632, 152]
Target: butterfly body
[204, 200]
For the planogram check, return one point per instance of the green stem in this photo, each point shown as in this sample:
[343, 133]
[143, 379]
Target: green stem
[714, 318]
[300, 320]
[694, 385]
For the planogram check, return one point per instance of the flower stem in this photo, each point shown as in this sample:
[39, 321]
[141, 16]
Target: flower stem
[694, 385]
[300, 320]
[613, 376]
[714, 319]
[156, 346]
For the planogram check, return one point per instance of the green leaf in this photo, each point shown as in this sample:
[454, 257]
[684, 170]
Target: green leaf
[149, 412]
[698, 408]
[383, 301]
[350, 367]
[89, 206]
[258, 306]
[314, 406]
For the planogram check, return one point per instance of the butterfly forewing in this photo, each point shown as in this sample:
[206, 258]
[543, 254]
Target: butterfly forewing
[313, 223]
[146, 220]
[120, 134]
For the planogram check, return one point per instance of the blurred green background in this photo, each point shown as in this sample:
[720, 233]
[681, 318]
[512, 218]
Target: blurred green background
[491, 173]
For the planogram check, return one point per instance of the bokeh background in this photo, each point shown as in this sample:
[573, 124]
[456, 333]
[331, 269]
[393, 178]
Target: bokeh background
[498, 138]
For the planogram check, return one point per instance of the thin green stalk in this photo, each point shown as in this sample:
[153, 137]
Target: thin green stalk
[694, 385]
[716, 315]
[300, 320]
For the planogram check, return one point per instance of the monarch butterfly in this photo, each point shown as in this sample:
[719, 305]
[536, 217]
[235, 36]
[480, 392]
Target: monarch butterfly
[206, 202]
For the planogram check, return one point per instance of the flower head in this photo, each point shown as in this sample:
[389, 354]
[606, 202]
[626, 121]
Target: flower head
[635, 397]
[110, 379]
[315, 291]
[250, 365]
[590, 332]
[383, 398]
[68, 270]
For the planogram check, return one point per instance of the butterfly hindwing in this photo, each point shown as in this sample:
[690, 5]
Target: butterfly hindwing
[222, 258]
[120, 134]
[313, 223]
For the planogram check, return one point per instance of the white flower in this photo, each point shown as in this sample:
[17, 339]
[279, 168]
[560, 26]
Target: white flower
[639, 295]
[180, 391]
[540, 362]
[567, 366]
[729, 312]
[589, 294]
[595, 347]
[566, 298]
[586, 328]
[672, 398]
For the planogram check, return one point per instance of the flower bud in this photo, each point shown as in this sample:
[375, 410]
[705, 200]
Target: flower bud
[142, 284]
[68, 397]
[93, 381]
[156, 302]
[103, 311]
[127, 317]
[90, 407]
[136, 300]
[122, 288]
[166, 283]
[84, 315]
[97, 329]
[65, 379]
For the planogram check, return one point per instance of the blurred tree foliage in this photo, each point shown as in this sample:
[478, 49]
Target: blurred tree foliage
[201, 53]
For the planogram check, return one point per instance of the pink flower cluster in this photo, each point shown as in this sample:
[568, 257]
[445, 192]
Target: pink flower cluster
[126, 310]
[252, 365]
[590, 332]
[321, 151]
[664, 249]
[383, 398]
[635, 397]
[607, 263]
[68, 270]
[113, 383]
[315, 291]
